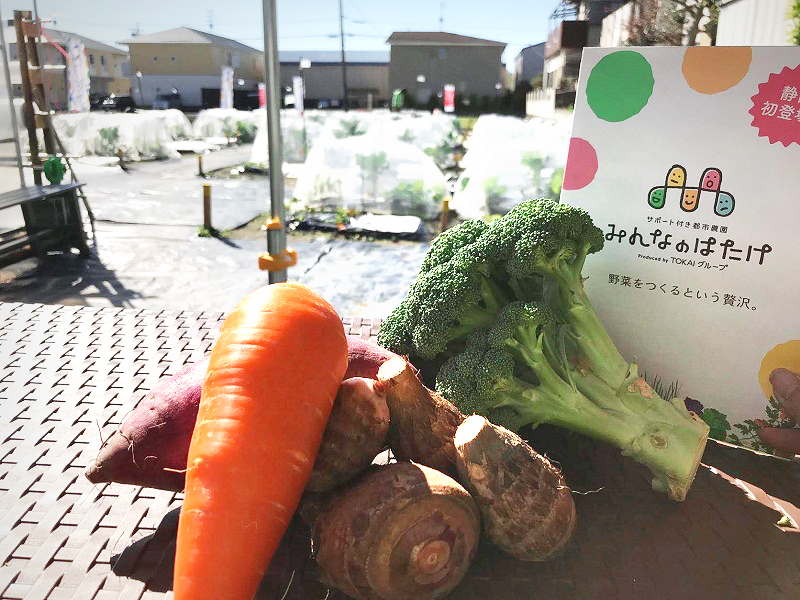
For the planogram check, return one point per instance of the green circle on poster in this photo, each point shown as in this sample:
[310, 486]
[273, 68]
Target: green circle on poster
[619, 86]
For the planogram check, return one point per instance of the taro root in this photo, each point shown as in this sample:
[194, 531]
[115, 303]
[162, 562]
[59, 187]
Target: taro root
[526, 506]
[402, 532]
[422, 423]
[355, 434]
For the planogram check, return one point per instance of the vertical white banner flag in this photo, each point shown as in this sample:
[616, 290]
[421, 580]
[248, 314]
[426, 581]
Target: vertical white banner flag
[77, 76]
[299, 93]
[226, 88]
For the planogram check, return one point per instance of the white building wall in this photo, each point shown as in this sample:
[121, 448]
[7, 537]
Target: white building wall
[754, 23]
[614, 31]
[189, 87]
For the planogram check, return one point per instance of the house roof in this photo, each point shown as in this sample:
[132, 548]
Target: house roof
[535, 50]
[61, 37]
[186, 35]
[380, 57]
[437, 38]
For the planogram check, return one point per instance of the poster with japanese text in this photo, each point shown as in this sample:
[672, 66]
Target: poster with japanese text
[687, 159]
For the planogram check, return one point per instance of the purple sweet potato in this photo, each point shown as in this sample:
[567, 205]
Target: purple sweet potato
[365, 357]
[151, 445]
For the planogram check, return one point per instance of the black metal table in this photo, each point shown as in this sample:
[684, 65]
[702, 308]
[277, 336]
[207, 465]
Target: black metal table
[53, 221]
[68, 376]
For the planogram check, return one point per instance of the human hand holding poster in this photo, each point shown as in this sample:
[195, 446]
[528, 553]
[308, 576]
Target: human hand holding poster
[687, 159]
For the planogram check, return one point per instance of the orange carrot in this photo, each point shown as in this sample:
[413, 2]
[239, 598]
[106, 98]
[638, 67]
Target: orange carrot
[270, 385]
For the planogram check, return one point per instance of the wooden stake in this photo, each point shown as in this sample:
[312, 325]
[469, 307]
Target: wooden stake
[207, 206]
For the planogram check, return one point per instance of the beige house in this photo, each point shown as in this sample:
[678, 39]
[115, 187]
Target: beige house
[108, 65]
[190, 62]
[423, 62]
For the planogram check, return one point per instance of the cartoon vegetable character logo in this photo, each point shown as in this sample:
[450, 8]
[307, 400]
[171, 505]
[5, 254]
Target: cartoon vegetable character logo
[708, 190]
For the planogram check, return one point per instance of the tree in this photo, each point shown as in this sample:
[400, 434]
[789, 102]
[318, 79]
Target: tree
[794, 17]
[672, 22]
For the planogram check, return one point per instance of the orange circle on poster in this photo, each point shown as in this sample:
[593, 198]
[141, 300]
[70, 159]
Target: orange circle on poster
[710, 70]
[786, 355]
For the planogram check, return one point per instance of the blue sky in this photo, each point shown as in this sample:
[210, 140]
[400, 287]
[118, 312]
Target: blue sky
[303, 24]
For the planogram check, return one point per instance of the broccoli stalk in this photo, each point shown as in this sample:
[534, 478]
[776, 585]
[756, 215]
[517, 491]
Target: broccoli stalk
[514, 365]
[474, 280]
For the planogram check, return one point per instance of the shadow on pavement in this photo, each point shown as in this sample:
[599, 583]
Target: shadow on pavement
[64, 279]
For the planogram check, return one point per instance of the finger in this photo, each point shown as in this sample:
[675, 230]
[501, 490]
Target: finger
[786, 440]
[786, 390]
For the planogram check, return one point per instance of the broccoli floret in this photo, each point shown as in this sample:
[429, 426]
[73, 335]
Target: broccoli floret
[515, 365]
[500, 313]
[552, 240]
[451, 241]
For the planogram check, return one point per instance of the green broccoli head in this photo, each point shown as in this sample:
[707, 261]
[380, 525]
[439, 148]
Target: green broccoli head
[447, 244]
[473, 380]
[445, 305]
[394, 334]
[543, 237]
[521, 323]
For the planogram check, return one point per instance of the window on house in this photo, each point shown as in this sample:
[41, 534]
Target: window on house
[103, 60]
[12, 52]
[173, 59]
[442, 53]
[155, 58]
[91, 59]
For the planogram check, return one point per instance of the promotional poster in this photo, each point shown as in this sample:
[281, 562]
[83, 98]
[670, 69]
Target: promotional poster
[687, 159]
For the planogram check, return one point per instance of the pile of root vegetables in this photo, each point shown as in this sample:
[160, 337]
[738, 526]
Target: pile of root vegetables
[407, 528]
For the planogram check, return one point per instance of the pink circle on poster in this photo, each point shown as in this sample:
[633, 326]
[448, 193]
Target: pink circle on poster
[776, 107]
[581, 164]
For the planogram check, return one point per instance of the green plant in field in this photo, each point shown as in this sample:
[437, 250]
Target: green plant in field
[407, 136]
[556, 182]
[229, 127]
[371, 165]
[203, 231]
[325, 189]
[533, 162]
[350, 128]
[109, 141]
[245, 132]
[342, 216]
[410, 198]
[495, 193]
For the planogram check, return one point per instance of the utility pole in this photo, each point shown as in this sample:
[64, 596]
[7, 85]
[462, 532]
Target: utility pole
[276, 232]
[344, 65]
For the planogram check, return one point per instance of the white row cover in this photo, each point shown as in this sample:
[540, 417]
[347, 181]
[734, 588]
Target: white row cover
[508, 161]
[434, 134]
[222, 124]
[370, 173]
[140, 136]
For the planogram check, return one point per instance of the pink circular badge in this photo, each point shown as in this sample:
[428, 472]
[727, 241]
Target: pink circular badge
[581, 164]
[776, 107]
